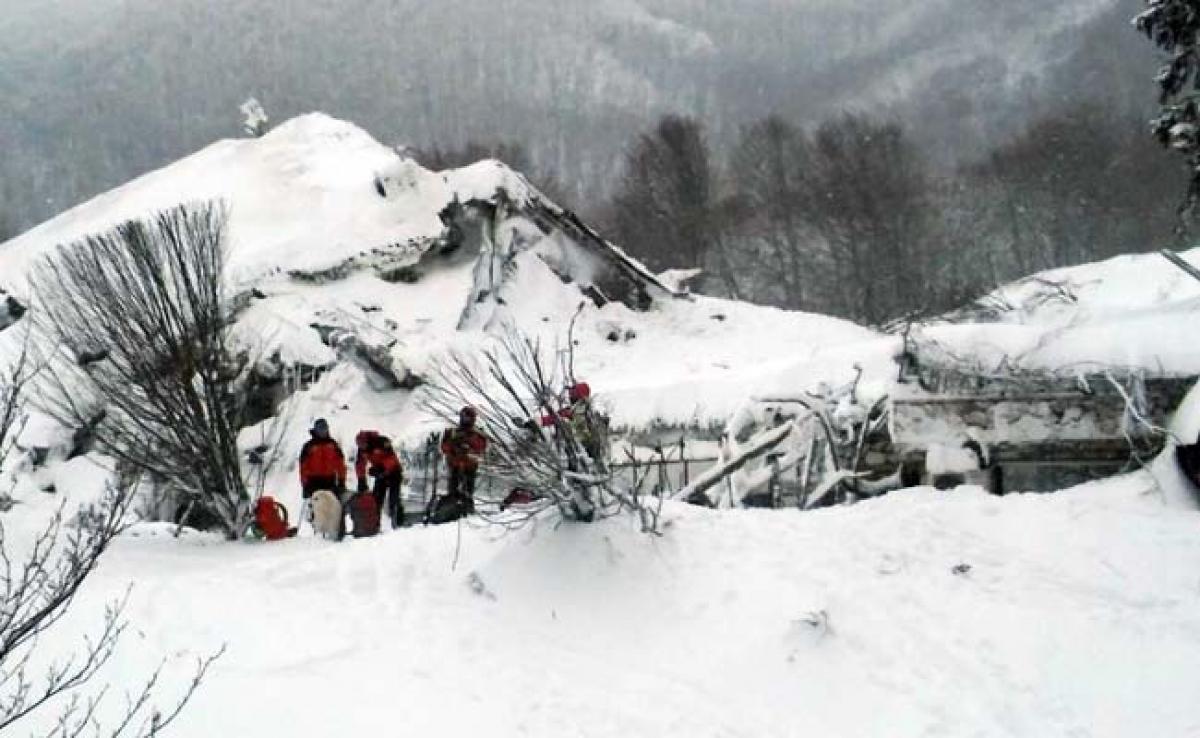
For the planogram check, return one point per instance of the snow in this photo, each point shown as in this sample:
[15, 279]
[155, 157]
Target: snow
[303, 199]
[1123, 313]
[943, 459]
[921, 613]
[918, 614]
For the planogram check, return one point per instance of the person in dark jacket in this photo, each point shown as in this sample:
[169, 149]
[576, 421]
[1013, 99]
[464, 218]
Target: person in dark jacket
[376, 458]
[322, 463]
[463, 446]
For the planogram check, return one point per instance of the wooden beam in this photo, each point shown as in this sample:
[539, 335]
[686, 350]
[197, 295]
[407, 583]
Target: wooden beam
[1178, 261]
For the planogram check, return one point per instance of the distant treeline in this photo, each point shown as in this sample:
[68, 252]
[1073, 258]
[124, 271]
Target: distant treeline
[851, 218]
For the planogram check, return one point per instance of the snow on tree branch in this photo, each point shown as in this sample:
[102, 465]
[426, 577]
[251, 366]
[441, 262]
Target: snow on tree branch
[543, 438]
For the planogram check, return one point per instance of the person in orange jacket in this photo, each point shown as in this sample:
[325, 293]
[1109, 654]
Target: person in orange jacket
[322, 463]
[376, 457]
[463, 446]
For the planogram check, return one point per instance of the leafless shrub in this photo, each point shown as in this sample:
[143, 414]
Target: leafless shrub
[37, 590]
[144, 356]
[14, 378]
[39, 585]
[538, 440]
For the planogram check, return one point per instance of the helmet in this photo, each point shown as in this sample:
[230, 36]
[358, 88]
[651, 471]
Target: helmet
[321, 427]
[467, 415]
[579, 391]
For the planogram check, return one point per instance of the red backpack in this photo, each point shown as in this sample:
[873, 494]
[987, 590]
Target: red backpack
[364, 514]
[271, 518]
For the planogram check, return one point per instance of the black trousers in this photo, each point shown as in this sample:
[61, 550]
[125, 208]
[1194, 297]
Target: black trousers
[317, 483]
[387, 495]
[462, 483]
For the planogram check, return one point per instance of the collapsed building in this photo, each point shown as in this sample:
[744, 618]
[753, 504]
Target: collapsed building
[1015, 432]
[943, 422]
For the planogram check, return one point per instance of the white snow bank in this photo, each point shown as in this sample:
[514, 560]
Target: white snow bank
[1129, 312]
[918, 614]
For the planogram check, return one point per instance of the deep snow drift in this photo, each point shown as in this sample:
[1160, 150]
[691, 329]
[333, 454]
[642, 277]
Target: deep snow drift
[1130, 311]
[919, 614]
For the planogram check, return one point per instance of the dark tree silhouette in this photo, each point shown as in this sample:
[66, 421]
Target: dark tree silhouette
[665, 205]
[1174, 27]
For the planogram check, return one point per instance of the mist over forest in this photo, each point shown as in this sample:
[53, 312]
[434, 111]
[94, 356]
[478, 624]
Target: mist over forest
[98, 91]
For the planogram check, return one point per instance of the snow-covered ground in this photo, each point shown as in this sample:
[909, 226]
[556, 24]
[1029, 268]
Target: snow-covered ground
[923, 613]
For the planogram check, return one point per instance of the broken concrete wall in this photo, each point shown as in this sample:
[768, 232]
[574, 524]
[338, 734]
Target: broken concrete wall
[1043, 435]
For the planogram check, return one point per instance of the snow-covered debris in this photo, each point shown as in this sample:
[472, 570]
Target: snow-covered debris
[945, 459]
[678, 279]
[342, 249]
[1127, 312]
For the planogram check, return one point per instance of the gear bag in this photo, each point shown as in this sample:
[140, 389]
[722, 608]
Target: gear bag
[271, 518]
[449, 508]
[364, 514]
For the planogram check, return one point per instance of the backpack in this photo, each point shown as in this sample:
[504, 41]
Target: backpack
[271, 518]
[518, 496]
[449, 508]
[364, 514]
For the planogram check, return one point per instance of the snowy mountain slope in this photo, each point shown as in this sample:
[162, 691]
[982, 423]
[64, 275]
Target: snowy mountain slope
[918, 614]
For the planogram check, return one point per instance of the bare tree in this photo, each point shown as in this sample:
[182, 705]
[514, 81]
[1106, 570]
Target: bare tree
[840, 221]
[667, 196]
[39, 585]
[768, 173]
[144, 353]
[868, 197]
[13, 380]
[539, 440]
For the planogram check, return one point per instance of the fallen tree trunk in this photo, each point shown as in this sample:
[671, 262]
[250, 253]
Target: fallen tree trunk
[758, 446]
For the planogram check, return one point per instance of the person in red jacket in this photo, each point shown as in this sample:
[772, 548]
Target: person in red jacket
[322, 463]
[377, 458]
[463, 446]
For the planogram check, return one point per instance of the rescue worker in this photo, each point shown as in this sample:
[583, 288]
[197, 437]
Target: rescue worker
[322, 463]
[463, 446]
[584, 423]
[376, 458]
